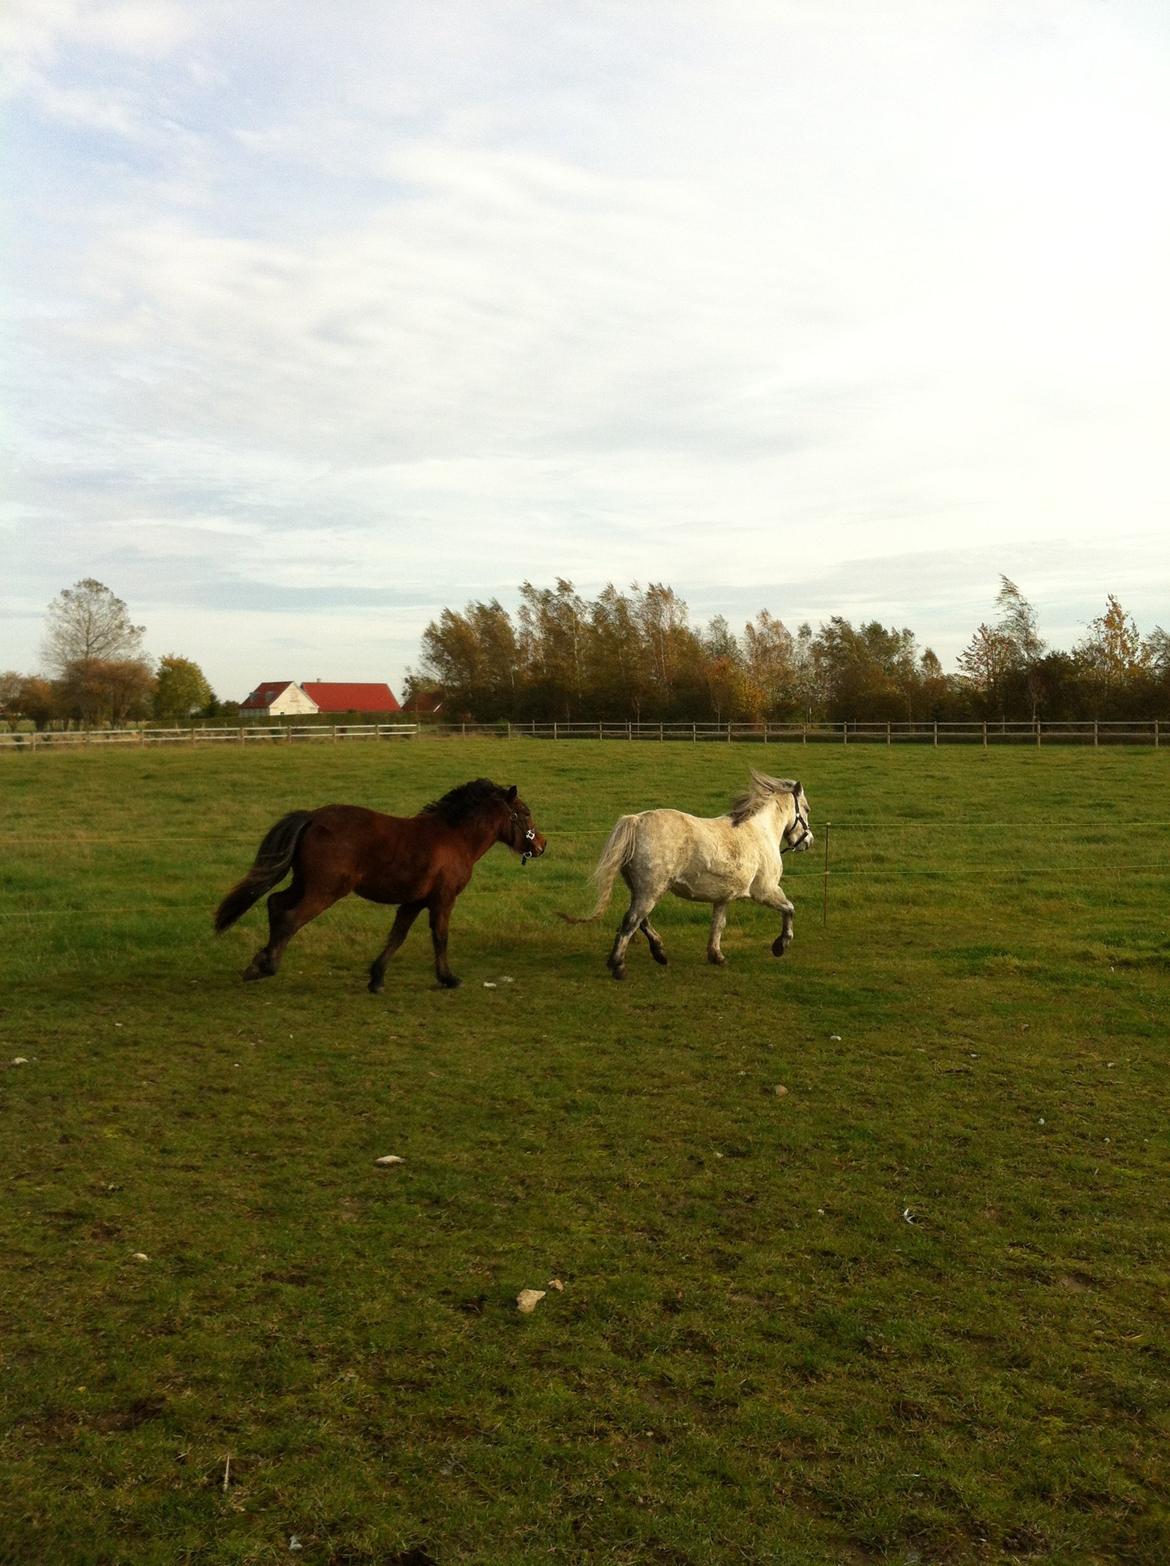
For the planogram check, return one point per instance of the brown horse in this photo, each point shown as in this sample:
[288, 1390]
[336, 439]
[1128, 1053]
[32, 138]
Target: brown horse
[418, 862]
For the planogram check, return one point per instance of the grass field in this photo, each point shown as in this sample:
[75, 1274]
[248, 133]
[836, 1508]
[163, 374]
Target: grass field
[911, 1309]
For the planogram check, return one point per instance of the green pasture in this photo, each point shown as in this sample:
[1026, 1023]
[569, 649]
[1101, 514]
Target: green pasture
[864, 1252]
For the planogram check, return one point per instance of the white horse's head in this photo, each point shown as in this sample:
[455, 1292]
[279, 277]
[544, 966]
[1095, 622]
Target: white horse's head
[790, 802]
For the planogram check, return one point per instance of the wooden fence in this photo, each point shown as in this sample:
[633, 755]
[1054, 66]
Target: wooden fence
[245, 734]
[1087, 732]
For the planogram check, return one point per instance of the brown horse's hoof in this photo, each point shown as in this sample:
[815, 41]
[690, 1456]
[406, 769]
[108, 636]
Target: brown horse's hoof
[618, 973]
[450, 982]
[780, 946]
[375, 986]
[255, 970]
[658, 955]
[717, 959]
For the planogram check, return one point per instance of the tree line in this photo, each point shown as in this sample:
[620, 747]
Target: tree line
[97, 671]
[634, 655]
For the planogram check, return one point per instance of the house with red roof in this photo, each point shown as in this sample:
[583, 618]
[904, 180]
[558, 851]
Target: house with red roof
[298, 698]
[350, 697]
[278, 699]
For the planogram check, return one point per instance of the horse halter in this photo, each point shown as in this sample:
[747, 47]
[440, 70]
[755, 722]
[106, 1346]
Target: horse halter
[527, 851]
[801, 821]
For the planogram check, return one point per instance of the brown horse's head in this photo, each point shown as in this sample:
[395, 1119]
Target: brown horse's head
[520, 834]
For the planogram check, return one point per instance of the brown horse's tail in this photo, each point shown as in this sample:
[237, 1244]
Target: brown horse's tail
[618, 851]
[273, 861]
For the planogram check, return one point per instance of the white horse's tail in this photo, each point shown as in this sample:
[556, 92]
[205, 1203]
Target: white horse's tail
[618, 851]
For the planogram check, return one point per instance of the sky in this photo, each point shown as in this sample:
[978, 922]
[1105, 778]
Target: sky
[318, 319]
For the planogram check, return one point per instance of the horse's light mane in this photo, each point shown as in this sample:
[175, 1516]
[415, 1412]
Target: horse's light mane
[763, 788]
[469, 801]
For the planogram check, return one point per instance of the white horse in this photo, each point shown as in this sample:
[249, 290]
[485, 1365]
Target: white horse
[706, 860]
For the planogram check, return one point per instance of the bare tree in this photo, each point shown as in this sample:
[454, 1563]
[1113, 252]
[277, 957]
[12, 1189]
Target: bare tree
[88, 623]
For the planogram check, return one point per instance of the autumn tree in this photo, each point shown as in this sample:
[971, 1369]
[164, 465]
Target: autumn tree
[985, 664]
[1113, 648]
[935, 689]
[770, 664]
[181, 688]
[1017, 628]
[25, 696]
[106, 690]
[451, 659]
[1113, 658]
[865, 670]
[552, 640]
[617, 668]
[672, 650]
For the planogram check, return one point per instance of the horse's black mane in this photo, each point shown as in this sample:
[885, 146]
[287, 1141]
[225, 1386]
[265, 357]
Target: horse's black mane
[468, 802]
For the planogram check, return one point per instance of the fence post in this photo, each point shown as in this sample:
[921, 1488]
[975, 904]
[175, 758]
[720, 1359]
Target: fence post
[1037, 733]
[192, 736]
[985, 734]
[936, 736]
[1155, 733]
[1094, 734]
[804, 733]
[888, 740]
[845, 732]
[694, 733]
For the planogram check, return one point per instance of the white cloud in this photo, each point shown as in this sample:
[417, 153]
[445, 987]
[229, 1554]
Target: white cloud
[449, 297]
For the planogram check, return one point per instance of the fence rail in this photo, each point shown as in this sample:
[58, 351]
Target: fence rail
[1144, 731]
[1138, 731]
[245, 734]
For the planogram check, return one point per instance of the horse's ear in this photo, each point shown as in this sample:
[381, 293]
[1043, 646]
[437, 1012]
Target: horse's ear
[510, 794]
[797, 791]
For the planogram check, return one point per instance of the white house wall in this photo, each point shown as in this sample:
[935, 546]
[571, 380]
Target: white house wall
[292, 702]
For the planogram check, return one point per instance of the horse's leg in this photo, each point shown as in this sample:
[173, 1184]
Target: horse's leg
[718, 921]
[440, 920]
[657, 950]
[784, 940]
[776, 899]
[403, 920]
[289, 911]
[640, 909]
